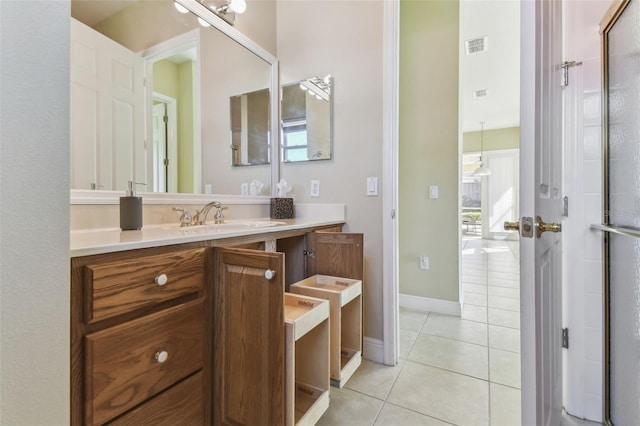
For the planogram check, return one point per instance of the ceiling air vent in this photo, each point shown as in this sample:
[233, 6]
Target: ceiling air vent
[480, 93]
[476, 45]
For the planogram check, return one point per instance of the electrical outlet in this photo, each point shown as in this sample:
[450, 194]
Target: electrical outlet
[315, 188]
[372, 186]
[424, 262]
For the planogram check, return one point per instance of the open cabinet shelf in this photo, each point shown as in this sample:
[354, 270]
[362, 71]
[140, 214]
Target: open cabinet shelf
[307, 359]
[345, 313]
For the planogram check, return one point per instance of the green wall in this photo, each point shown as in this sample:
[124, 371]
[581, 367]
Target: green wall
[176, 81]
[185, 127]
[508, 138]
[429, 148]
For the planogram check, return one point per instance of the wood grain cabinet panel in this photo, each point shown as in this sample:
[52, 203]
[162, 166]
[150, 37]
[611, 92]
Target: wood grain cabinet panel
[182, 404]
[249, 338]
[122, 286]
[126, 364]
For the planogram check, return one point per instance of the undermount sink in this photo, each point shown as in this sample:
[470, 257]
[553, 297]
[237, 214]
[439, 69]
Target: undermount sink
[228, 225]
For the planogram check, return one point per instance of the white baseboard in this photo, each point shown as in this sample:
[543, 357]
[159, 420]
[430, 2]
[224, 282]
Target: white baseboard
[427, 304]
[373, 350]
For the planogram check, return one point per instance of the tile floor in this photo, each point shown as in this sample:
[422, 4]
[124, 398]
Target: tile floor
[460, 371]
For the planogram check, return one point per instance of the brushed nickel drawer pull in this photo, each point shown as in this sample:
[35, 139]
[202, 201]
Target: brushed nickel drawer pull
[161, 279]
[269, 274]
[161, 356]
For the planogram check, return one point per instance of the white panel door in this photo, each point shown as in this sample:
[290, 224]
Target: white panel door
[107, 112]
[541, 196]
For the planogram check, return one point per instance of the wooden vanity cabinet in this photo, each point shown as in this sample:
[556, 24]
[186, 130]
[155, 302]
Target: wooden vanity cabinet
[248, 346]
[140, 337]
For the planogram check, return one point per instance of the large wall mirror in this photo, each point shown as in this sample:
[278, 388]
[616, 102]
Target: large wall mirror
[306, 120]
[151, 90]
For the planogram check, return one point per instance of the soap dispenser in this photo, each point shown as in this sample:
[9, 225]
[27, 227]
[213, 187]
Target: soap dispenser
[131, 210]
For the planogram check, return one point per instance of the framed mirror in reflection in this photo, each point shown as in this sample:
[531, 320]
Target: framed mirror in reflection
[150, 98]
[306, 120]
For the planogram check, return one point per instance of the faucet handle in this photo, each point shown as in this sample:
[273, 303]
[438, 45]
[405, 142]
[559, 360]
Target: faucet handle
[185, 216]
[219, 216]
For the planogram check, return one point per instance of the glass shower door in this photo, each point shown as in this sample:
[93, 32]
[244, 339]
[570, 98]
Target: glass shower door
[621, 47]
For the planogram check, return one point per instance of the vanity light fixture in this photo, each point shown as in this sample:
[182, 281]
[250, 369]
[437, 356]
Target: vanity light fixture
[180, 8]
[320, 87]
[482, 170]
[227, 11]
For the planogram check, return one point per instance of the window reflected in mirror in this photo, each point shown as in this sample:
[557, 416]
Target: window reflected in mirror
[306, 120]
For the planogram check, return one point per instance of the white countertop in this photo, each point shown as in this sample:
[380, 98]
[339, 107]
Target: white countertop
[96, 241]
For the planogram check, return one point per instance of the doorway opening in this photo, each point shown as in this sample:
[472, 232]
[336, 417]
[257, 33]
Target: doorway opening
[173, 82]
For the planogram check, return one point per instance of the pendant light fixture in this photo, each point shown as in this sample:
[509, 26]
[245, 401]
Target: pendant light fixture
[482, 170]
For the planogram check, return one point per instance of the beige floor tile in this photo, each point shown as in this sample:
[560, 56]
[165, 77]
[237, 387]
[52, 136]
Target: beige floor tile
[407, 339]
[504, 368]
[474, 313]
[448, 396]
[412, 320]
[504, 318]
[504, 338]
[374, 379]
[505, 405]
[475, 299]
[507, 303]
[460, 357]
[392, 415]
[504, 291]
[474, 288]
[349, 408]
[456, 328]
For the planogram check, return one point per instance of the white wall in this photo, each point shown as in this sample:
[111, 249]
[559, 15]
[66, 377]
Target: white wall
[34, 185]
[344, 39]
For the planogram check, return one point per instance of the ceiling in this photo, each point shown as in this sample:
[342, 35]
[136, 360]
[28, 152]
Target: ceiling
[497, 69]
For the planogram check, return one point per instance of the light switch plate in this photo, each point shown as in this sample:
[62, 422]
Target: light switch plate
[433, 191]
[315, 188]
[372, 186]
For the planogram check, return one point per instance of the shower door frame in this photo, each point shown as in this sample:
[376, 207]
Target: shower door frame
[607, 23]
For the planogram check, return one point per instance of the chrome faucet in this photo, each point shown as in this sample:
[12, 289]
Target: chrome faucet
[185, 217]
[218, 218]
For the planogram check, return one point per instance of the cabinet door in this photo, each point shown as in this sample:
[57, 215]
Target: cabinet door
[336, 254]
[248, 338]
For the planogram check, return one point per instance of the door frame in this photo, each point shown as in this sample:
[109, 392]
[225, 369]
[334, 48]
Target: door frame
[391, 17]
[172, 138]
[157, 53]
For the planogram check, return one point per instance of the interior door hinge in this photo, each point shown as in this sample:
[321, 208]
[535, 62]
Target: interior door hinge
[165, 118]
[565, 68]
[565, 338]
[565, 206]
[393, 213]
[166, 162]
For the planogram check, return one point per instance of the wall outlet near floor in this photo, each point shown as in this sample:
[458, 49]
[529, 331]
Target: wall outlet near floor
[424, 262]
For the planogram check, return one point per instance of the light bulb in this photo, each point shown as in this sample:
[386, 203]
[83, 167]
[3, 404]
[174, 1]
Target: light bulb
[238, 6]
[180, 8]
[203, 22]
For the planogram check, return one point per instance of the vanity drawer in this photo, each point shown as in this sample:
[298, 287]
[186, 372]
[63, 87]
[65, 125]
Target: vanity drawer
[131, 362]
[115, 288]
[183, 404]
